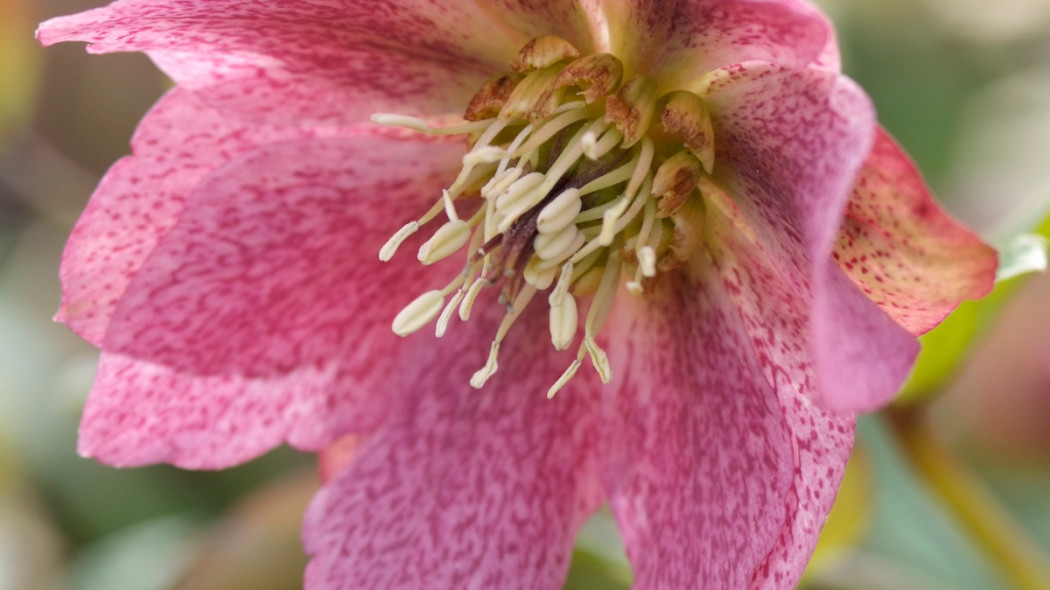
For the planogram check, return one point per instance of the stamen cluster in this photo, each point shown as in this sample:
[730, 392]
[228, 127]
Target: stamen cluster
[571, 185]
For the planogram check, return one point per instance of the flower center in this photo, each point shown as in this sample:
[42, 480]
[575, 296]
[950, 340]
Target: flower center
[572, 188]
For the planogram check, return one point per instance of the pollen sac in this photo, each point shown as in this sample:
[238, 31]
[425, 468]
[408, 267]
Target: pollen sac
[674, 181]
[631, 110]
[535, 97]
[488, 101]
[686, 117]
[595, 76]
[543, 52]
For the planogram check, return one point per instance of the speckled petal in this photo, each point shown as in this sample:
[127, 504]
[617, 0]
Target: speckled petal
[790, 146]
[776, 321]
[139, 413]
[700, 462]
[176, 146]
[903, 250]
[333, 62]
[274, 259]
[675, 41]
[469, 489]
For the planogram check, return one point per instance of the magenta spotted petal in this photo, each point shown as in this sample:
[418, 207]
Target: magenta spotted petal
[664, 251]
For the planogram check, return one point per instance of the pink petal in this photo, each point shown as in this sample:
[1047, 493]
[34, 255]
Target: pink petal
[469, 489]
[305, 61]
[903, 250]
[273, 264]
[139, 413]
[790, 146]
[177, 145]
[721, 460]
[776, 323]
[676, 41]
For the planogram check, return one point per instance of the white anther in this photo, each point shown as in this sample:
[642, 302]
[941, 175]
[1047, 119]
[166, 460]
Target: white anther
[390, 247]
[557, 296]
[417, 314]
[500, 182]
[468, 300]
[599, 359]
[647, 261]
[590, 145]
[564, 319]
[446, 240]
[446, 314]
[559, 212]
[564, 379]
[477, 381]
[518, 190]
[450, 207]
[634, 288]
[609, 219]
[555, 246]
[395, 120]
[484, 155]
[541, 278]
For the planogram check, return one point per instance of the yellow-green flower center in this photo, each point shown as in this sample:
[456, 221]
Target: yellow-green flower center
[576, 182]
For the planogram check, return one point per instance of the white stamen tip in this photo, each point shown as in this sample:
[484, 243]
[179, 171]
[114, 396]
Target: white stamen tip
[446, 240]
[446, 314]
[538, 277]
[599, 359]
[468, 301]
[635, 288]
[483, 374]
[417, 314]
[390, 247]
[560, 212]
[556, 246]
[486, 155]
[400, 121]
[557, 296]
[590, 145]
[647, 261]
[565, 377]
[564, 319]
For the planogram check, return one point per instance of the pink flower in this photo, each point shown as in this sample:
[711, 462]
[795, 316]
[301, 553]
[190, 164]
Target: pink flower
[751, 276]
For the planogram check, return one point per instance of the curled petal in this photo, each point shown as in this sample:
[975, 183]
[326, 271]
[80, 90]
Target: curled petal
[903, 250]
[793, 143]
[469, 489]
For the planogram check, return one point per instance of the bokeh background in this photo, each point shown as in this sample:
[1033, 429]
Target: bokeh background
[963, 84]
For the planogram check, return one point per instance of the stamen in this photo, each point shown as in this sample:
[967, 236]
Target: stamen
[417, 314]
[446, 240]
[557, 296]
[549, 130]
[553, 246]
[390, 247]
[563, 321]
[472, 294]
[477, 381]
[559, 212]
[417, 124]
[647, 261]
[520, 302]
[564, 379]
[537, 275]
[513, 148]
[446, 314]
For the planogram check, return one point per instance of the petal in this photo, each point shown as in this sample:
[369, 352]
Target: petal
[721, 460]
[580, 22]
[273, 264]
[305, 61]
[177, 144]
[675, 41]
[776, 323]
[139, 413]
[790, 146]
[467, 489]
[903, 250]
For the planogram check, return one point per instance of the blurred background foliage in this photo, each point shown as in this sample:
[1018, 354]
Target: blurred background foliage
[964, 85]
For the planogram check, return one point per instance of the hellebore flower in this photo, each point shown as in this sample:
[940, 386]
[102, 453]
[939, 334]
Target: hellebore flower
[685, 195]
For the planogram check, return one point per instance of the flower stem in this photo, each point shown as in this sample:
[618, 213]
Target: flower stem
[997, 535]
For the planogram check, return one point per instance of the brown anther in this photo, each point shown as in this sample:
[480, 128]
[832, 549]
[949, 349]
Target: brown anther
[494, 93]
[596, 76]
[534, 98]
[688, 229]
[631, 109]
[674, 181]
[543, 52]
[686, 117]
